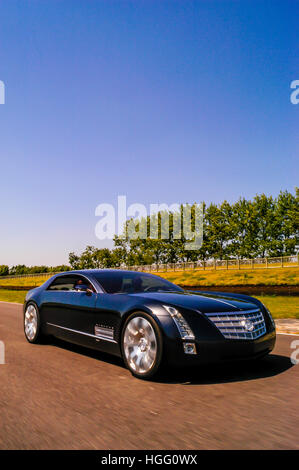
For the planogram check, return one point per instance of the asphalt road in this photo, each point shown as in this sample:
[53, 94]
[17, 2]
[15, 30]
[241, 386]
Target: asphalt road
[59, 396]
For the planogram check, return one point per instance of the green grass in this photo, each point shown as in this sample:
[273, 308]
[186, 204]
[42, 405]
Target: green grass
[12, 296]
[24, 281]
[281, 306]
[254, 277]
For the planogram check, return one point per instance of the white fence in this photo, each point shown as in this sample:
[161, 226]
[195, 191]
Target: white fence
[207, 265]
[212, 265]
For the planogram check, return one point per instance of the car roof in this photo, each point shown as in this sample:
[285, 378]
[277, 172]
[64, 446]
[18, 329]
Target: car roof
[97, 271]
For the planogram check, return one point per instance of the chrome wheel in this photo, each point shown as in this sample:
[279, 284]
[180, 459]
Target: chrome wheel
[140, 345]
[30, 322]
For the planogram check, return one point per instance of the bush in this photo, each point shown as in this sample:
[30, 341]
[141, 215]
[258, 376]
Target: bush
[4, 270]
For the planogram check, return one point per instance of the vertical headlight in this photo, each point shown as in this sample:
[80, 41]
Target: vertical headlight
[183, 327]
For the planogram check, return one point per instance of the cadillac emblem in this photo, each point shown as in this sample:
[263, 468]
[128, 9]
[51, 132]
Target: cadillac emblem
[247, 325]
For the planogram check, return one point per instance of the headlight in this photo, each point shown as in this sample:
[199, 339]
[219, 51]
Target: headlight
[270, 316]
[183, 327]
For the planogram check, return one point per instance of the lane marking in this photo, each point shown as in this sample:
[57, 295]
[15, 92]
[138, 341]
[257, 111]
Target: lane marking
[288, 334]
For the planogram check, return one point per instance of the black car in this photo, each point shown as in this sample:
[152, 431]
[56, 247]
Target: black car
[147, 320]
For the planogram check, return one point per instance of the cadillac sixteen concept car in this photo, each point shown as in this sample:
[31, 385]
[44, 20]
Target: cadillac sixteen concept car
[147, 320]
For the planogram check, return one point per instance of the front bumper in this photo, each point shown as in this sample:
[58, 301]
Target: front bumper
[212, 346]
[225, 350]
[208, 352]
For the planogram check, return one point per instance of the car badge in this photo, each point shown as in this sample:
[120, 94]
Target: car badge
[247, 324]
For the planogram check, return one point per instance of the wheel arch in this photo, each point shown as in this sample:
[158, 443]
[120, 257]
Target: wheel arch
[38, 306]
[136, 309]
[30, 301]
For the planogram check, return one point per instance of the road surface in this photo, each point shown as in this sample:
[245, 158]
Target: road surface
[60, 396]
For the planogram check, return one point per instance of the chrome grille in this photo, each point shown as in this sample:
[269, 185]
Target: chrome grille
[249, 324]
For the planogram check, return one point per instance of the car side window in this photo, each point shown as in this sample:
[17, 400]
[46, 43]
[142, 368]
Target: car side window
[68, 283]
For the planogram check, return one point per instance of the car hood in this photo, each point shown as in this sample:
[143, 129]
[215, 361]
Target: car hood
[205, 303]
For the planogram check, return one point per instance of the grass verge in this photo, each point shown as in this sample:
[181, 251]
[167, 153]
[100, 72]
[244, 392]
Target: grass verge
[281, 306]
[14, 296]
[24, 281]
[255, 277]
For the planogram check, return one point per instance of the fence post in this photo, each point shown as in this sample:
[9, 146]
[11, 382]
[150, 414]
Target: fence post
[238, 263]
[266, 262]
[282, 261]
[204, 265]
[214, 264]
[227, 264]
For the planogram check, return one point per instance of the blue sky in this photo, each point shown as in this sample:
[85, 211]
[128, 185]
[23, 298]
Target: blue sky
[161, 101]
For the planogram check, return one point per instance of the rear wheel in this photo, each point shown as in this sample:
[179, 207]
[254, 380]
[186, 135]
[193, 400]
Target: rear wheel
[32, 324]
[142, 345]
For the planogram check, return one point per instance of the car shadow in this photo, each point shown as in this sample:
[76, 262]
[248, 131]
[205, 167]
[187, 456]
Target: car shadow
[269, 366]
[85, 351]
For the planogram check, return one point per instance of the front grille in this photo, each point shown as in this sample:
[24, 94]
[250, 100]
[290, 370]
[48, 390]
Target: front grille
[249, 324]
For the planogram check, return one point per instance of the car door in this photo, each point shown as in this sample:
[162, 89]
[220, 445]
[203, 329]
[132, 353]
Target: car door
[65, 310]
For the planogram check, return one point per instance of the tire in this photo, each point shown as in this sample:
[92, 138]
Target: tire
[142, 345]
[32, 324]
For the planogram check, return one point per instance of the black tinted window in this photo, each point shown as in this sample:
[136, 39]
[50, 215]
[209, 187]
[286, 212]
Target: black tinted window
[130, 282]
[65, 283]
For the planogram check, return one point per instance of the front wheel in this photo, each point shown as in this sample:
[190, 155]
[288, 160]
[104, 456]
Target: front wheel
[142, 345]
[32, 324]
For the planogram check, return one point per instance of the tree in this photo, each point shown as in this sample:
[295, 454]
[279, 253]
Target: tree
[4, 270]
[286, 223]
[264, 226]
[74, 260]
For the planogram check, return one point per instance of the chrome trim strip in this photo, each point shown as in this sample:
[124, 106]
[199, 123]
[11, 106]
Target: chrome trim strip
[82, 333]
[219, 300]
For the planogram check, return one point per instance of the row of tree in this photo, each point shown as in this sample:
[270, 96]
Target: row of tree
[22, 269]
[264, 226]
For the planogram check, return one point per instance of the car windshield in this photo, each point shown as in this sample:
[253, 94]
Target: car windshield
[132, 282]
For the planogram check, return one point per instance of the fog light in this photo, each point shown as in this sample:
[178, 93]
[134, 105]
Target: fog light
[189, 348]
